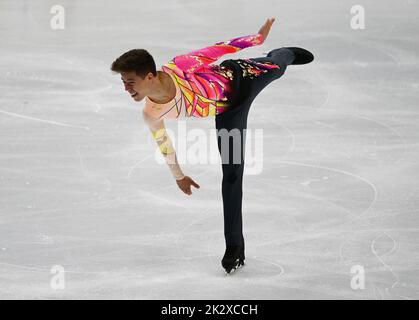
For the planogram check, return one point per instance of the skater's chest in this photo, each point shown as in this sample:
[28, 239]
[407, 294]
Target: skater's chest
[170, 110]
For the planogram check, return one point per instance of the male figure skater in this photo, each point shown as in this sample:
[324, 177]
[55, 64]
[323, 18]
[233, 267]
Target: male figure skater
[190, 86]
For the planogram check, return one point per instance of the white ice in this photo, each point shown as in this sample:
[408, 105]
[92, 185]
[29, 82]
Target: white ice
[81, 189]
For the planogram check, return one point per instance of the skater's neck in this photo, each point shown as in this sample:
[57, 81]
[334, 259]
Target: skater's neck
[163, 89]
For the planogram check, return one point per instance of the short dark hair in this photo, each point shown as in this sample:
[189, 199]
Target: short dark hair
[138, 60]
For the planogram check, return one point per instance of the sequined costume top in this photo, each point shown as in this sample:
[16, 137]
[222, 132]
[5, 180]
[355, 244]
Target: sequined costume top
[202, 89]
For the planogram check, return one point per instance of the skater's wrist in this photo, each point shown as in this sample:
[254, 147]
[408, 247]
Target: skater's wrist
[260, 38]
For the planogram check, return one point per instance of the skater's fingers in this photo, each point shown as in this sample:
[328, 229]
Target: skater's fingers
[269, 22]
[264, 30]
[184, 189]
[195, 184]
[187, 189]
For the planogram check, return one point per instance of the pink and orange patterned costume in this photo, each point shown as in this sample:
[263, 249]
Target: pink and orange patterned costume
[226, 91]
[202, 89]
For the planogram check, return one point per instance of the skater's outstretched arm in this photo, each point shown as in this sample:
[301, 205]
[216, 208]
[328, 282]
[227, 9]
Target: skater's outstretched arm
[158, 130]
[194, 60]
[164, 142]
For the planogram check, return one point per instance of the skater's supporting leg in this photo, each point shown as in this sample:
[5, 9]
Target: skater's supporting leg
[246, 89]
[232, 183]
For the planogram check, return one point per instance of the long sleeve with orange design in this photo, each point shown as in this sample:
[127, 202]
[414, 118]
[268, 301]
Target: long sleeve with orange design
[194, 60]
[164, 142]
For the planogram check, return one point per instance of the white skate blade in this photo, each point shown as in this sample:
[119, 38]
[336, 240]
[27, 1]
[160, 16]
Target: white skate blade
[232, 271]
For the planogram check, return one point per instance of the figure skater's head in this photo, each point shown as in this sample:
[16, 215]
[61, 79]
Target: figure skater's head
[138, 70]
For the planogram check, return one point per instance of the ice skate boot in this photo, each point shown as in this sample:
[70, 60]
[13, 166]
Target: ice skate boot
[302, 56]
[233, 258]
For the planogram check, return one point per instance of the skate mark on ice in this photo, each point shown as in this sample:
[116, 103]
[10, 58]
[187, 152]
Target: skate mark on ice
[312, 197]
[386, 266]
[137, 164]
[62, 124]
[379, 257]
[390, 128]
[82, 168]
[290, 134]
[372, 185]
[47, 269]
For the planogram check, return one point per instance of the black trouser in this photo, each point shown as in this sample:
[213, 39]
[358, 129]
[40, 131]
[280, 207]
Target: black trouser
[246, 86]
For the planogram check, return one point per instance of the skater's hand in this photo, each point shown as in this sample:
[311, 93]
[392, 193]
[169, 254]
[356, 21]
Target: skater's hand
[264, 30]
[185, 185]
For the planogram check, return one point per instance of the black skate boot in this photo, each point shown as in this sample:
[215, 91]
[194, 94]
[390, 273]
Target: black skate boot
[302, 56]
[233, 258]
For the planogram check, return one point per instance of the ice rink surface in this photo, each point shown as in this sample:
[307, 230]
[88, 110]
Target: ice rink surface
[81, 188]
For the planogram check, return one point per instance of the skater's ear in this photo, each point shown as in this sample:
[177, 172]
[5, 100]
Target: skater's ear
[148, 76]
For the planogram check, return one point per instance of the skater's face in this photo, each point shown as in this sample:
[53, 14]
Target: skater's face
[136, 86]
